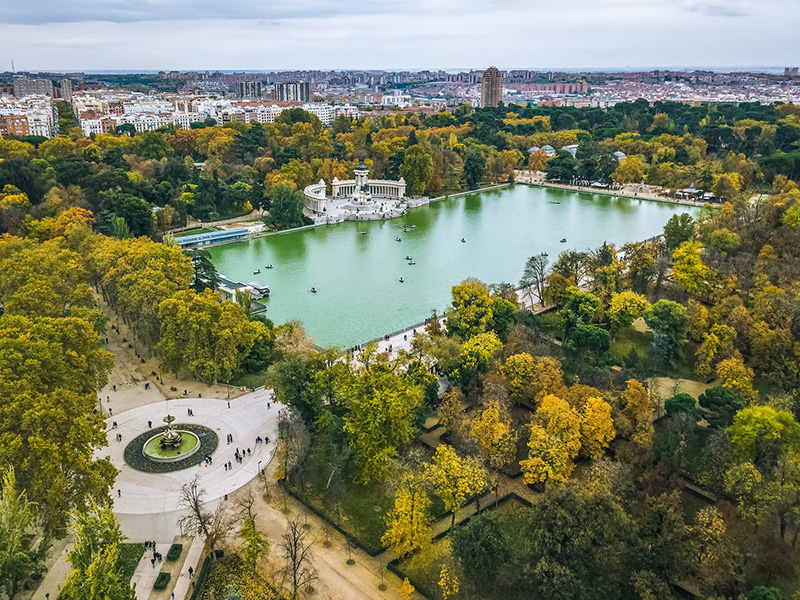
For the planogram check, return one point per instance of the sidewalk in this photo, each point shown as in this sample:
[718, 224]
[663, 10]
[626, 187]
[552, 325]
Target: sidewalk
[184, 585]
[56, 573]
[538, 179]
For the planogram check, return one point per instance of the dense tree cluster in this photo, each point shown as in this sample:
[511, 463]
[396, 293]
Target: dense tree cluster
[211, 172]
[564, 397]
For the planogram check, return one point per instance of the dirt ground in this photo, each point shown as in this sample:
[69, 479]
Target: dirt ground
[337, 580]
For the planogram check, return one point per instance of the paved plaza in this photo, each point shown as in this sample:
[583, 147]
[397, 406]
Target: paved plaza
[147, 503]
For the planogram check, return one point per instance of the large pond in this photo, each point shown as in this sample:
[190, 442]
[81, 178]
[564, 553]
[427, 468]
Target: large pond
[359, 296]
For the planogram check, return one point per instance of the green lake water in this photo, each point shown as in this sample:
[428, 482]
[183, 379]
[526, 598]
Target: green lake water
[357, 276]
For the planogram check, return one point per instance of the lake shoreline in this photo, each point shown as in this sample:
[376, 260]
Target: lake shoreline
[555, 186]
[487, 236]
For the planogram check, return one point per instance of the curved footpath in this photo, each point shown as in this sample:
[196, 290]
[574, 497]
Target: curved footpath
[147, 503]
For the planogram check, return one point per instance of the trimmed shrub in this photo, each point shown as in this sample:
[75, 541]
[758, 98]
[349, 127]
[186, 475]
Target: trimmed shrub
[174, 551]
[162, 581]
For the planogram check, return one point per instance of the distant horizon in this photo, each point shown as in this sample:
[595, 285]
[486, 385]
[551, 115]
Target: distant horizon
[686, 69]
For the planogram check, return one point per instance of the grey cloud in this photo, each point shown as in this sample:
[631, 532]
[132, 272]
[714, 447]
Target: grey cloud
[128, 11]
[719, 8]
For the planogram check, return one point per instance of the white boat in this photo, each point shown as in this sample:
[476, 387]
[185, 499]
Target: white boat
[313, 290]
[402, 280]
[257, 271]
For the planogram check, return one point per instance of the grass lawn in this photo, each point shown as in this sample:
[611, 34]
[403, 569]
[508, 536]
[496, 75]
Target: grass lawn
[250, 380]
[628, 339]
[195, 231]
[357, 509]
[129, 556]
[228, 572]
[549, 322]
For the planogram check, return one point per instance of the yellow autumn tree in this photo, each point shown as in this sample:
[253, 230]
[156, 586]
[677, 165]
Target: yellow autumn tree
[625, 308]
[717, 345]
[448, 582]
[531, 378]
[406, 589]
[496, 439]
[450, 414]
[597, 428]
[554, 442]
[454, 479]
[689, 270]
[630, 170]
[639, 410]
[735, 375]
[408, 524]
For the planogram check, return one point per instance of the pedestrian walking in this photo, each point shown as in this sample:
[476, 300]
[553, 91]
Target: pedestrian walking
[110, 412]
[149, 424]
[191, 572]
[119, 493]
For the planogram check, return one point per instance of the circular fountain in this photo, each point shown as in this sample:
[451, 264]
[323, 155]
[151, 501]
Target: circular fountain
[171, 444]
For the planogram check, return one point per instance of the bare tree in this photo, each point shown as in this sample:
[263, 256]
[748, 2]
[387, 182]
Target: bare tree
[199, 520]
[297, 442]
[299, 569]
[534, 277]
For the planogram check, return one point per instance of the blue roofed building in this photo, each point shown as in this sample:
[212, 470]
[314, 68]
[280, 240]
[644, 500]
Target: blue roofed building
[213, 237]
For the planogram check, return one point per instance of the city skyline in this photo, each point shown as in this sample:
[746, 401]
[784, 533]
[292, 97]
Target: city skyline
[615, 34]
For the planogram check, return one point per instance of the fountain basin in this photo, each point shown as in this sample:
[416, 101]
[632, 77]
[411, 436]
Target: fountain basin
[152, 450]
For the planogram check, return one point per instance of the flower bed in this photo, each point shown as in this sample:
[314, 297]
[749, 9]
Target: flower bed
[134, 457]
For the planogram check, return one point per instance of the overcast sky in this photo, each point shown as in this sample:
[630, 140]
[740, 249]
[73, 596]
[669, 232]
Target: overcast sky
[396, 34]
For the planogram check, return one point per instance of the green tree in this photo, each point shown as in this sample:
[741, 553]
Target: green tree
[417, 169]
[471, 311]
[577, 545]
[562, 167]
[679, 229]
[482, 548]
[205, 274]
[380, 420]
[120, 229]
[761, 434]
[669, 319]
[21, 556]
[682, 404]
[474, 166]
[96, 567]
[579, 309]
[722, 404]
[286, 206]
[503, 316]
